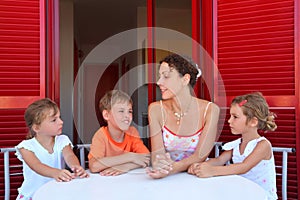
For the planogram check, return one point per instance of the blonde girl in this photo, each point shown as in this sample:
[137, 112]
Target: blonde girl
[44, 149]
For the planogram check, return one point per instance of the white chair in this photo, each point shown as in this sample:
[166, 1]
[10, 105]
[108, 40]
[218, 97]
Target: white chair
[7, 168]
[283, 166]
[82, 148]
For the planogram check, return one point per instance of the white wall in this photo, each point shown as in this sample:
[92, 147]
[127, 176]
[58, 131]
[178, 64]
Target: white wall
[66, 65]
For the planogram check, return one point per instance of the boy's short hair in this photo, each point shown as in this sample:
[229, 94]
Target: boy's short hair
[112, 97]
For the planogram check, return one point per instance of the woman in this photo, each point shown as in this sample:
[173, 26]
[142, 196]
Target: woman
[183, 128]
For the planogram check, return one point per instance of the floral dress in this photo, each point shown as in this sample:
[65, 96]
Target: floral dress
[180, 147]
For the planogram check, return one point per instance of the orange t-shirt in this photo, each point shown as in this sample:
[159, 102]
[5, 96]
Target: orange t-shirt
[104, 146]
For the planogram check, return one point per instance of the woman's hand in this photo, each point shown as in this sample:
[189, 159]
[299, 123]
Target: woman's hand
[162, 166]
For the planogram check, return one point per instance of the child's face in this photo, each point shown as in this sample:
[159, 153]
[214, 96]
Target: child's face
[52, 125]
[120, 115]
[237, 120]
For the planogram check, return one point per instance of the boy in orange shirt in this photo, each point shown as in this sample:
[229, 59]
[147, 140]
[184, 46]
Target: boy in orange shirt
[117, 147]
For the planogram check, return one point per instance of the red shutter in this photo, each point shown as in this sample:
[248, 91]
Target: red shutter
[22, 72]
[255, 52]
[22, 57]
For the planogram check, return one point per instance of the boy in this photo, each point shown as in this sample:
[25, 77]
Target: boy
[117, 147]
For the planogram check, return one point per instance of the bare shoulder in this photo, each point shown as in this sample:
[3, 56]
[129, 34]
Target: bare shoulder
[211, 107]
[155, 112]
[154, 105]
[154, 109]
[264, 147]
[265, 144]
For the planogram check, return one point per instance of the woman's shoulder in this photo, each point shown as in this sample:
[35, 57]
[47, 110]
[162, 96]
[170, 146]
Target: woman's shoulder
[161, 103]
[205, 102]
[155, 104]
[155, 107]
[208, 105]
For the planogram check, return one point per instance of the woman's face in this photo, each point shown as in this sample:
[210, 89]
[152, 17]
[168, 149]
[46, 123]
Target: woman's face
[169, 81]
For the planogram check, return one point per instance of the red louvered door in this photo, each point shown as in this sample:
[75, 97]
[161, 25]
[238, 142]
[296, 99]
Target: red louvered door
[22, 72]
[256, 52]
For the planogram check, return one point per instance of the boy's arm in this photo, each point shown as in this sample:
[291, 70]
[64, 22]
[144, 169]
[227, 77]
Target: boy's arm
[135, 160]
[119, 169]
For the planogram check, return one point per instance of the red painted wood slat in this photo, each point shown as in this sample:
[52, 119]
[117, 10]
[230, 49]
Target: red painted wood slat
[256, 52]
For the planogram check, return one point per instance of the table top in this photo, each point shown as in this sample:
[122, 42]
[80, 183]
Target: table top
[137, 185]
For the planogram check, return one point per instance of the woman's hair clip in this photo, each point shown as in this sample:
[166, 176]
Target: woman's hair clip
[199, 71]
[243, 102]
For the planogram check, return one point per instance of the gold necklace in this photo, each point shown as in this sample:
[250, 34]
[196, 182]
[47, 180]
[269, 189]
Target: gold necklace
[180, 115]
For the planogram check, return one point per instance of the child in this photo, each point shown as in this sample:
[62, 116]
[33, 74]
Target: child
[44, 149]
[117, 147]
[251, 154]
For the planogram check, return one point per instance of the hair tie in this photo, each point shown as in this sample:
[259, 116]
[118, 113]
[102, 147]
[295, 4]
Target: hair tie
[199, 71]
[243, 102]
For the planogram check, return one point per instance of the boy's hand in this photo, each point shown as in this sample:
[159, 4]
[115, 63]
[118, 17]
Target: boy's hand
[140, 159]
[113, 171]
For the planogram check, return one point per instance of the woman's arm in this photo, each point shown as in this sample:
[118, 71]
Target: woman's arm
[155, 128]
[210, 133]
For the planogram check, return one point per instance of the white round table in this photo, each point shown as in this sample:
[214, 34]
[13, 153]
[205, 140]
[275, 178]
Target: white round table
[137, 185]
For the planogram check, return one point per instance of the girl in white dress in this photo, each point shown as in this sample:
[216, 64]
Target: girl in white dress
[251, 154]
[44, 149]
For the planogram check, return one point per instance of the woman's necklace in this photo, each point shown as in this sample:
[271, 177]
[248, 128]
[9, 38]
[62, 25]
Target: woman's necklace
[180, 115]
